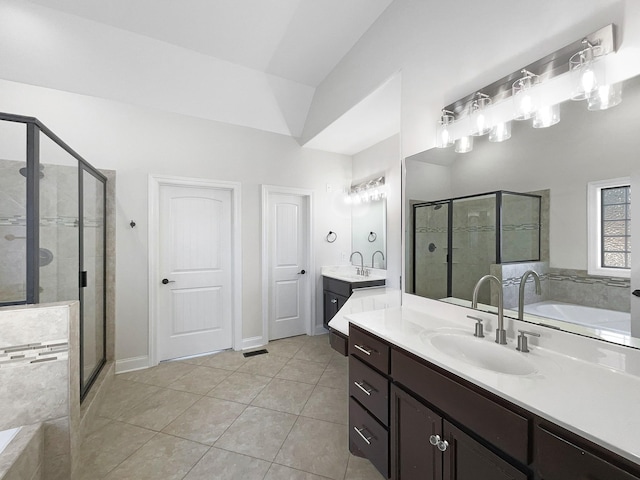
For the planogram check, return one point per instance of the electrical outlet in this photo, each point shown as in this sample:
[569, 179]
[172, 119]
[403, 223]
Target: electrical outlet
[329, 188]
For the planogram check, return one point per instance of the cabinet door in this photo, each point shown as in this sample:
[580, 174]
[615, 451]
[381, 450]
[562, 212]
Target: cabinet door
[332, 303]
[559, 459]
[466, 459]
[412, 424]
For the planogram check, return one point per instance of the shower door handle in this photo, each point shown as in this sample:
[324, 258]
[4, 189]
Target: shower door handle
[636, 293]
[83, 279]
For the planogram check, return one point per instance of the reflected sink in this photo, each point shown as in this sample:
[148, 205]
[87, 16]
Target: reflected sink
[481, 353]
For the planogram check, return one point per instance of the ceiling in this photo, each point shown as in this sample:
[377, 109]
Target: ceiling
[300, 40]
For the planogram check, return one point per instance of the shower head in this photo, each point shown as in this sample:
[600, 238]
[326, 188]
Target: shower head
[23, 171]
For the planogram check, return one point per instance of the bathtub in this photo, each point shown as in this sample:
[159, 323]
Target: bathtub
[580, 315]
[6, 436]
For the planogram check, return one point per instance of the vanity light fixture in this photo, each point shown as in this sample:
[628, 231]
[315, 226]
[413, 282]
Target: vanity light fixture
[528, 93]
[443, 136]
[524, 101]
[480, 123]
[370, 190]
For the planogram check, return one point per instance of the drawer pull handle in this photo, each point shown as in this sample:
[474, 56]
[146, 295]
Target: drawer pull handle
[359, 432]
[363, 349]
[361, 385]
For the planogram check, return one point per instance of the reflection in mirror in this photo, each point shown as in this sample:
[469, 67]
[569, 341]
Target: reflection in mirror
[456, 231]
[369, 232]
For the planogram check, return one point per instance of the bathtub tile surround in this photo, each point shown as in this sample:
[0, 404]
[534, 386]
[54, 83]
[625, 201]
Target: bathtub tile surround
[576, 286]
[41, 382]
[246, 425]
[23, 458]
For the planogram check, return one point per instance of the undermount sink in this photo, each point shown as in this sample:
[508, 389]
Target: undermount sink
[481, 352]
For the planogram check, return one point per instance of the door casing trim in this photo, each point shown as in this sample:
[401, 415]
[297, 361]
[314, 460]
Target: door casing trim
[264, 264]
[157, 181]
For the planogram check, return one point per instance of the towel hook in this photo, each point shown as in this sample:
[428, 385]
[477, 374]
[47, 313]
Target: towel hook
[331, 236]
[372, 237]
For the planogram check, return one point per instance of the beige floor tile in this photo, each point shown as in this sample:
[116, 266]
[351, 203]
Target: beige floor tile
[200, 380]
[257, 432]
[106, 448]
[301, 371]
[286, 347]
[284, 396]
[226, 360]
[123, 395]
[280, 472]
[328, 404]
[335, 377]
[314, 351]
[361, 469]
[163, 457]
[240, 387]
[268, 365]
[158, 410]
[200, 359]
[316, 446]
[223, 465]
[97, 423]
[206, 420]
[160, 376]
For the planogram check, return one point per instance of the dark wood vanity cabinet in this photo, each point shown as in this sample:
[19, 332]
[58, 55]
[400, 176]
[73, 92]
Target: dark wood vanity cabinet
[336, 293]
[414, 420]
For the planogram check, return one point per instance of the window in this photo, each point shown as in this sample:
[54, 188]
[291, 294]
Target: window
[609, 245]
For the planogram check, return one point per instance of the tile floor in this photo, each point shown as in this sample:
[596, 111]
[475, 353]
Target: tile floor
[277, 416]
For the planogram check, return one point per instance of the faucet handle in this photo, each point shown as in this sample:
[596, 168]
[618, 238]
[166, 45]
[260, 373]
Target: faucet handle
[479, 329]
[522, 340]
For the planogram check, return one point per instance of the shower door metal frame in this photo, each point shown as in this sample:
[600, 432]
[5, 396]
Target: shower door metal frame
[34, 128]
[499, 240]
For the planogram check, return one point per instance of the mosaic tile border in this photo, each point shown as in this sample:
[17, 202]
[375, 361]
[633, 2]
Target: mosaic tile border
[18, 355]
[525, 227]
[67, 221]
[574, 278]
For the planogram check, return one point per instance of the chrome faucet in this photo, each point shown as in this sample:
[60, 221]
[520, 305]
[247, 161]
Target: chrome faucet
[523, 281]
[374, 255]
[501, 333]
[359, 271]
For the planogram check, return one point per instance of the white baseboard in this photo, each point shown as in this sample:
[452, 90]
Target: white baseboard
[253, 342]
[320, 330]
[131, 364]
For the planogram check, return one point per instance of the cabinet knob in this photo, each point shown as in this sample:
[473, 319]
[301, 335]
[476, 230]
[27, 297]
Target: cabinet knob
[442, 445]
[434, 440]
[334, 300]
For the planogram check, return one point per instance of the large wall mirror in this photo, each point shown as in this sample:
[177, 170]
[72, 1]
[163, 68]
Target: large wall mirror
[369, 232]
[524, 204]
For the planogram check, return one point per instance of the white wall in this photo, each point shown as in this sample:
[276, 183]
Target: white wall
[136, 141]
[446, 50]
[384, 159]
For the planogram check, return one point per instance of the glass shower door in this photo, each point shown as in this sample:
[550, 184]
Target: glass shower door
[431, 234]
[92, 278]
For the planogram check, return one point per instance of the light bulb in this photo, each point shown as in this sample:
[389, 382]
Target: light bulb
[500, 132]
[443, 135]
[524, 102]
[606, 96]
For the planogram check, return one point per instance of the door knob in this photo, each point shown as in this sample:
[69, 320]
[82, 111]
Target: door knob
[302, 272]
[166, 280]
[636, 293]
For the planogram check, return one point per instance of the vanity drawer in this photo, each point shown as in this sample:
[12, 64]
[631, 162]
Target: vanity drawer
[338, 342]
[370, 388]
[558, 458]
[368, 438]
[495, 423]
[369, 349]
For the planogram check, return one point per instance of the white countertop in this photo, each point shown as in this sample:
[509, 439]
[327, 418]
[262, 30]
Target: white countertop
[365, 300]
[585, 385]
[348, 273]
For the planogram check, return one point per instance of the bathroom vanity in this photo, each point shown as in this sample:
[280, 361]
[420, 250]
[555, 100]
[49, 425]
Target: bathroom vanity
[429, 400]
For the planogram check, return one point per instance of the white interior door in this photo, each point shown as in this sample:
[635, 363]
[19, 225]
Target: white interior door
[195, 263]
[635, 254]
[288, 263]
